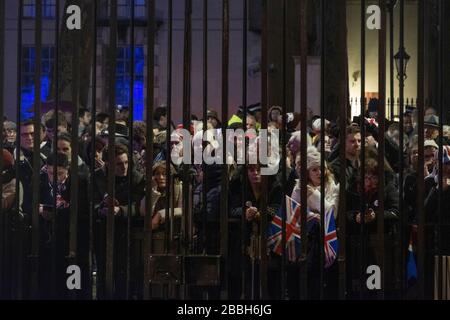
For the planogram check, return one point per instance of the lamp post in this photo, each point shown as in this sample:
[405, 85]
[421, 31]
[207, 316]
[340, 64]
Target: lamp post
[401, 62]
[390, 4]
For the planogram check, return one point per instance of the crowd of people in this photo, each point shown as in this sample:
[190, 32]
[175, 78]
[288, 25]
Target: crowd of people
[129, 202]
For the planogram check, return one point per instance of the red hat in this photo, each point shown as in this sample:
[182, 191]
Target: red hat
[8, 159]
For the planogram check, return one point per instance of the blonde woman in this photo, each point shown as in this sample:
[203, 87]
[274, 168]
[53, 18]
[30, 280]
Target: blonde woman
[314, 189]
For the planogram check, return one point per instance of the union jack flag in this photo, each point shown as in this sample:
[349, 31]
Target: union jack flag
[330, 239]
[293, 244]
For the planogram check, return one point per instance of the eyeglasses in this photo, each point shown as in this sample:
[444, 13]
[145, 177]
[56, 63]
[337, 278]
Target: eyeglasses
[371, 177]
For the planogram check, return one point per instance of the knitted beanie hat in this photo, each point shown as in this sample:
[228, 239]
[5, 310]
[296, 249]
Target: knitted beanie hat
[313, 158]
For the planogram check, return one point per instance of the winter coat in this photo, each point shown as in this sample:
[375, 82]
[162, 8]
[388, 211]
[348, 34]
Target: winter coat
[274, 196]
[331, 197]
[122, 190]
[159, 201]
[351, 172]
[25, 163]
[354, 205]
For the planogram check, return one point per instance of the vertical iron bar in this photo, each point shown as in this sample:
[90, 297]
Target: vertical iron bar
[403, 220]
[439, 252]
[224, 180]
[130, 149]
[363, 236]
[391, 61]
[169, 116]
[148, 233]
[401, 109]
[342, 201]
[381, 144]
[55, 148]
[72, 254]
[420, 165]
[263, 275]
[342, 236]
[4, 262]
[186, 121]
[283, 152]
[205, 123]
[244, 123]
[17, 287]
[303, 148]
[322, 148]
[111, 151]
[36, 154]
[168, 231]
[93, 151]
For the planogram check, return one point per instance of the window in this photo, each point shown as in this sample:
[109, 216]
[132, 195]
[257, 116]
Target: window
[140, 9]
[123, 79]
[124, 9]
[28, 70]
[48, 9]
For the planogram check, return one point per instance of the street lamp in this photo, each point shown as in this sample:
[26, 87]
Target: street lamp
[391, 5]
[401, 54]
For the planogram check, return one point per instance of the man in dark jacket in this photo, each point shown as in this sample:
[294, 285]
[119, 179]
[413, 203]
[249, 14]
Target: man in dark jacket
[25, 162]
[123, 194]
[352, 151]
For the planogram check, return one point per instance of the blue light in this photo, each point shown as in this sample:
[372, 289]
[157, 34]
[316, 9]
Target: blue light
[27, 96]
[123, 80]
[28, 87]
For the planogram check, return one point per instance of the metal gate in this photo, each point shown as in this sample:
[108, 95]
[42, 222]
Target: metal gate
[79, 226]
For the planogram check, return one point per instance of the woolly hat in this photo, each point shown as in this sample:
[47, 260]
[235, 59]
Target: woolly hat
[294, 142]
[431, 143]
[9, 125]
[313, 158]
[317, 124]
